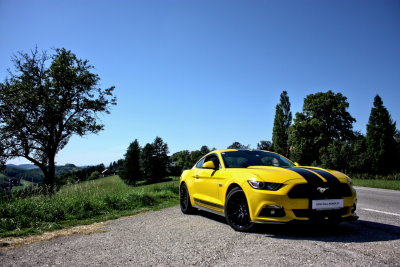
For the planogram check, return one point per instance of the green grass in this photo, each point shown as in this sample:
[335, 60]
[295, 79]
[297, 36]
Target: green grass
[385, 184]
[390, 181]
[21, 187]
[84, 203]
[3, 178]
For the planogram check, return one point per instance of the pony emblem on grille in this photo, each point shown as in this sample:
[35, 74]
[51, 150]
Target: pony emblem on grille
[322, 189]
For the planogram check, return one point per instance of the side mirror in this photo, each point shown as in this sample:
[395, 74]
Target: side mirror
[296, 164]
[208, 165]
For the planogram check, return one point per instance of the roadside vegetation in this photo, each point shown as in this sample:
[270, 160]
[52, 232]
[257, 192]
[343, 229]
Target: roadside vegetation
[83, 203]
[377, 181]
[384, 184]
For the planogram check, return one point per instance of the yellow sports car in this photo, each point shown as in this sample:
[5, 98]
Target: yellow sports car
[254, 186]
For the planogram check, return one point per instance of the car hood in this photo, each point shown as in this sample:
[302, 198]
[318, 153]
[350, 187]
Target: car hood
[283, 174]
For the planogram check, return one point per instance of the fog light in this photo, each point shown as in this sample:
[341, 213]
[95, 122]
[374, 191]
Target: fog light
[272, 211]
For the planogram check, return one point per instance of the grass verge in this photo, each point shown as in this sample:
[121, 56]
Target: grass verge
[390, 181]
[84, 203]
[384, 184]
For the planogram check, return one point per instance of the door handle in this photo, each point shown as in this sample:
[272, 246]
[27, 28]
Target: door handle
[196, 176]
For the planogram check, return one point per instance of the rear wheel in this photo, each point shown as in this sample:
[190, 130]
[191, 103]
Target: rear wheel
[184, 198]
[237, 211]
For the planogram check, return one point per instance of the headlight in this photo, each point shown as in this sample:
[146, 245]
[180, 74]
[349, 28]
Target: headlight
[265, 185]
[349, 181]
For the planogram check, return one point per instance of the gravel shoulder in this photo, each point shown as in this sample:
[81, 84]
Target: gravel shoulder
[167, 237]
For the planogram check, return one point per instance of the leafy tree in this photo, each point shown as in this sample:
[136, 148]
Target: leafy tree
[44, 103]
[184, 160]
[347, 156]
[237, 145]
[161, 159]
[154, 160]
[130, 171]
[324, 119]
[359, 162]
[205, 150]
[115, 166]
[94, 175]
[265, 145]
[197, 154]
[147, 161]
[381, 145]
[282, 121]
[180, 161]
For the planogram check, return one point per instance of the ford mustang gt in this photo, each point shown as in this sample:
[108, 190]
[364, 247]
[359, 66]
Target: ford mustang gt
[255, 186]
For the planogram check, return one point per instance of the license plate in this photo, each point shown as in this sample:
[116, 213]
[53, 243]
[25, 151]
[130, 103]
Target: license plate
[327, 204]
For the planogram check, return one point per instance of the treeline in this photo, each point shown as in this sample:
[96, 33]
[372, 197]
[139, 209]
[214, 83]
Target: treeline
[81, 174]
[149, 163]
[185, 159]
[320, 135]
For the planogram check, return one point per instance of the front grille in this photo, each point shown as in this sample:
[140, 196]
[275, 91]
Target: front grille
[311, 214]
[311, 191]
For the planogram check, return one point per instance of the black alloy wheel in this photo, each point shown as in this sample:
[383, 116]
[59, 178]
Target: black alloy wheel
[237, 211]
[184, 198]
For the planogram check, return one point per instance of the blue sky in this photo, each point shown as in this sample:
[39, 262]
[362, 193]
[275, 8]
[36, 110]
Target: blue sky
[210, 72]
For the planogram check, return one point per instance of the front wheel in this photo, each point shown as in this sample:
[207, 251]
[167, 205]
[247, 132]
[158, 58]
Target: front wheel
[237, 211]
[184, 199]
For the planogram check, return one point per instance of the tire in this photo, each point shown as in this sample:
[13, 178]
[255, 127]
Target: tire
[237, 211]
[184, 199]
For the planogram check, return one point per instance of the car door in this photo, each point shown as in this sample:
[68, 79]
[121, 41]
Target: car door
[206, 183]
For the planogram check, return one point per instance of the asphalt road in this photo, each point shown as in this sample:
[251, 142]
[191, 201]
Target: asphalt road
[169, 238]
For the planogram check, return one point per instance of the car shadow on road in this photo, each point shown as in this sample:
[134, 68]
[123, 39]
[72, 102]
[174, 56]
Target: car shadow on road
[355, 232]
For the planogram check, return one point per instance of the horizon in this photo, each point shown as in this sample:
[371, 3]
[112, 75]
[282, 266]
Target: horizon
[211, 73]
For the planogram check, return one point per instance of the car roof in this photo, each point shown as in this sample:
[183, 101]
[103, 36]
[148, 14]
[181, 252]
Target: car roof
[228, 150]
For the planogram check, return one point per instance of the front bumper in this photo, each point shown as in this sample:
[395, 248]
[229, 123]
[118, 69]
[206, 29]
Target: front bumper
[277, 207]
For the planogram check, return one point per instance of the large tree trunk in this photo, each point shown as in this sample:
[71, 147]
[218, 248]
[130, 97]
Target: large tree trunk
[49, 177]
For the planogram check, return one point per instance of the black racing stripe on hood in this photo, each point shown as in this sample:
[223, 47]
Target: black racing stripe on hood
[330, 178]
[311, 177]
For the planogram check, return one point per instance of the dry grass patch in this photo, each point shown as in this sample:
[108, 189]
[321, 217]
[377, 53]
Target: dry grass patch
[15, 242]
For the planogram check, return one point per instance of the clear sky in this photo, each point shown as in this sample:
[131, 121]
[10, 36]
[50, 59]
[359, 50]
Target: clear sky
[210, 72]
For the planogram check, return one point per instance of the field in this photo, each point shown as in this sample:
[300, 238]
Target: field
[84, 203]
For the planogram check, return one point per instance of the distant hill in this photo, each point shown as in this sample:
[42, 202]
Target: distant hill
[22, 166]
[16, 175]
[30, 172]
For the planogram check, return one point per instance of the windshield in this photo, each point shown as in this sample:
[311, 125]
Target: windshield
[246, 158]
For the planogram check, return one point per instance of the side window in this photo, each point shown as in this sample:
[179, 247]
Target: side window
[213, 158]
[200, 163]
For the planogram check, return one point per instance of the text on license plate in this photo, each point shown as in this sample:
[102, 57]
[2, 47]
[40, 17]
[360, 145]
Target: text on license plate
[327, 204]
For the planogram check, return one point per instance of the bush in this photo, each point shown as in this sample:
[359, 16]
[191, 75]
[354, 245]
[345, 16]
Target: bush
[94, 175]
